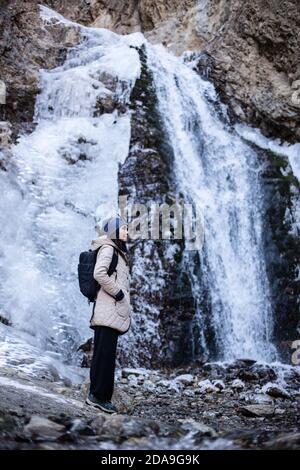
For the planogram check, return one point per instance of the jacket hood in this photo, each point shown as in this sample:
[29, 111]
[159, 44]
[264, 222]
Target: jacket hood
[103, 240]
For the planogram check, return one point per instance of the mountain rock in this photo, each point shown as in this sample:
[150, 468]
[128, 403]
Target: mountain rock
[28, 45]
[249, 49]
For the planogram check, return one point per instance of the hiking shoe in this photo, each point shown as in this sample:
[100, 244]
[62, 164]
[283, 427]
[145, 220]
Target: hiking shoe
[101, 405]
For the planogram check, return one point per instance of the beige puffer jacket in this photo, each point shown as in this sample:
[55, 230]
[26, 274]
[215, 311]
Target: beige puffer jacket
[108, 311]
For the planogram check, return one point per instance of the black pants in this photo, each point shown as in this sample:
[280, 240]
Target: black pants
[102, 373]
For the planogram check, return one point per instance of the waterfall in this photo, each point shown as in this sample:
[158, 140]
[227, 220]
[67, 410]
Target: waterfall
[61, 178]
[219, 173]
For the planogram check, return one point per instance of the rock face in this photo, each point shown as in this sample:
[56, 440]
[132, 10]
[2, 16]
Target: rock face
[249, 49]
[163, 322]
[254, 62]
[27, 45]
[281, 247]
[126, 16]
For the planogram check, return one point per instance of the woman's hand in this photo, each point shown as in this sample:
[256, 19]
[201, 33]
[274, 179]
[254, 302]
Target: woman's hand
[120, 295]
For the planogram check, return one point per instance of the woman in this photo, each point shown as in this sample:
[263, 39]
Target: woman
[112, 311]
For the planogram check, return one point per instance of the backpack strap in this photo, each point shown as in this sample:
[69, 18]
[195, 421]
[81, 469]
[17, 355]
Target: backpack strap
[110, 271]
[114, 261]
[113, 264]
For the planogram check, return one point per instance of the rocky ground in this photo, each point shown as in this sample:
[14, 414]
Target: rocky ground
[212, 406]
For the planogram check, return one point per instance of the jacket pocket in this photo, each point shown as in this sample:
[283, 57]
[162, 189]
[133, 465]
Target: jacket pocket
[123, 307]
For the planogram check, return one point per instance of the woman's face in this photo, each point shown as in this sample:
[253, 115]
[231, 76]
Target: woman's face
[123, 233]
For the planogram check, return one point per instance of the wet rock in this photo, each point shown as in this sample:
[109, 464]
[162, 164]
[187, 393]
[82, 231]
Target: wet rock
[255, 398]
[7, 422]
[238, 384]
[120, 427]
[264, 372]
[98, 422]
[219, 385]
[279, 411]
[248, 376]
[185, 379]
[198, 428]
[244, 362]
[214, 371]
[87, 350]
[127, 371]
[148, 386]
[256, 373]
[281, 249]
[123, 400]
[42, 428]
[205, 386]
[132, 380]
[274, 390]
[257, 410]
[290, 441]
[79, 426]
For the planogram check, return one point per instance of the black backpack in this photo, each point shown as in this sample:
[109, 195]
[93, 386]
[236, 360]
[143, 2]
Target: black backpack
[88, 285]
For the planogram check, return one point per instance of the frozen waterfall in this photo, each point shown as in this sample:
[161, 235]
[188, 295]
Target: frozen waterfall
[61, 178]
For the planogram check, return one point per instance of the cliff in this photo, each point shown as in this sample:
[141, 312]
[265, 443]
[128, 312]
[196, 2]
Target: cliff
[249, 49]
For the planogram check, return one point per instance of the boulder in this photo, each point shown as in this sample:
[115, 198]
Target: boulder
[257, 411]
[127, 371]
[196, 427]
[42, 428]
[238, 384]
[275, 391]
[185, 379]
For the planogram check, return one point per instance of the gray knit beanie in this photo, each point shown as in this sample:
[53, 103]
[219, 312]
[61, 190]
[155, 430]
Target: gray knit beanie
[110, 225]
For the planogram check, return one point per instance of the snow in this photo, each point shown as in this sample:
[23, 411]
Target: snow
[292, 151]
[36, 390]
[22, 352]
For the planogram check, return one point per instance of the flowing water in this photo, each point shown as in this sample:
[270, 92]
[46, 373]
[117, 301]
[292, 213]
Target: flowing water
[219, 173]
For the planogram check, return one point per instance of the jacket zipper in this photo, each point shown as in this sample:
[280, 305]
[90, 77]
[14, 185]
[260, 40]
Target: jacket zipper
[116, 281]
